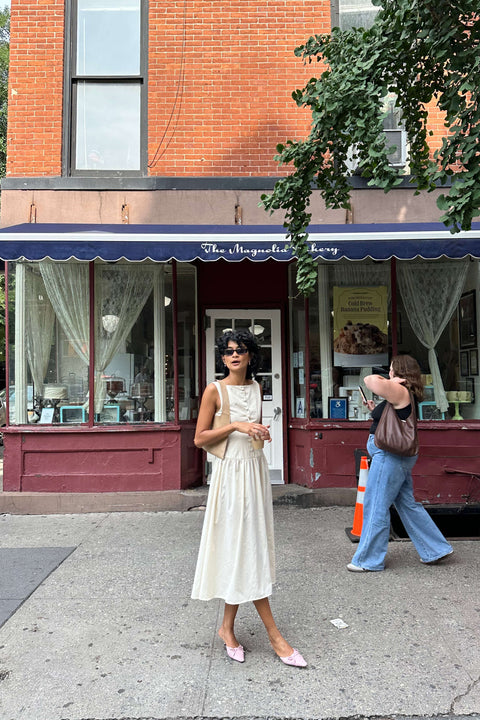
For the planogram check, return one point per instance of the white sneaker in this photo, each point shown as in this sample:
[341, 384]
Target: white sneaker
[434, 562]
[356, 568]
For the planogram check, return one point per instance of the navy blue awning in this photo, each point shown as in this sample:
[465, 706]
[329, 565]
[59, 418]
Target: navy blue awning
[185, 243]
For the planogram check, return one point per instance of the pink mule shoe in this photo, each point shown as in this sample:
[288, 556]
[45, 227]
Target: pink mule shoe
[294, 659]
[237, 653]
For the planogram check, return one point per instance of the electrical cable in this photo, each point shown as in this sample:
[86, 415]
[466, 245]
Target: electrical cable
[160, 152]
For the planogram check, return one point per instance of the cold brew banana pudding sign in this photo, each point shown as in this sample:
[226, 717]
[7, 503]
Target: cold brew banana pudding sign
[360, 333]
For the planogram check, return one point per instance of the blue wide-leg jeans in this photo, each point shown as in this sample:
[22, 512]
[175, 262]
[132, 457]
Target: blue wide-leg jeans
[390, 483]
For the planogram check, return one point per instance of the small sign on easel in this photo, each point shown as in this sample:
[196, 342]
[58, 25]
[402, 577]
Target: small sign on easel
[46, 418]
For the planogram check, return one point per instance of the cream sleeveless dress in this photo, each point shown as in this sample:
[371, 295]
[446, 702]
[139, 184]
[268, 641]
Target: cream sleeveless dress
[236, 559]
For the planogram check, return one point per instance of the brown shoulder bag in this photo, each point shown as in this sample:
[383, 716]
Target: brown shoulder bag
[395, 435]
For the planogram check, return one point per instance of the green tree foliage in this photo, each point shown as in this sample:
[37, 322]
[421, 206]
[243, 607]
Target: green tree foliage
[421, 50]
[4, 62]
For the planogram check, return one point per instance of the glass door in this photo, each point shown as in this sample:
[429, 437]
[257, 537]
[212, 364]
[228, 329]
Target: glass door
[265, 325]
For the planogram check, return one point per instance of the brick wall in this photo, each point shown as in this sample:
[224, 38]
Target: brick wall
[240, 72]
[226, 117]
[35, 88]
[221, 74]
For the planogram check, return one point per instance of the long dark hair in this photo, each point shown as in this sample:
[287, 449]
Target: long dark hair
[241, 337]
[404, 366]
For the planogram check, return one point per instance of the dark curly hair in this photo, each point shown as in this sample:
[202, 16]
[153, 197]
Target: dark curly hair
[241, 337]
[405, 366]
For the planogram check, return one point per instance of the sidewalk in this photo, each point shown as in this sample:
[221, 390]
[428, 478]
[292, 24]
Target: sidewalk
[112, 631]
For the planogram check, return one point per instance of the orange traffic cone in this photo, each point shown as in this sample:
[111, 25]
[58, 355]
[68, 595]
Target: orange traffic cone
[356, 530]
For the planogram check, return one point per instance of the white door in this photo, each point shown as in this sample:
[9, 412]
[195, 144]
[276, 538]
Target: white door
[265, 324]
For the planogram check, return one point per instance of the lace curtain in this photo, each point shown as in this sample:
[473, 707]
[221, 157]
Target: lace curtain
[39, 324]
[67, 286]
[361, 274]
[121, 292]
[430, 294]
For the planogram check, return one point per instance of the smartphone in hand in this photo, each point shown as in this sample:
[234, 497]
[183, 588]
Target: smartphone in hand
[362, 393]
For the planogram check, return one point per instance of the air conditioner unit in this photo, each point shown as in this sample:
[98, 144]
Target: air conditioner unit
[397, 138]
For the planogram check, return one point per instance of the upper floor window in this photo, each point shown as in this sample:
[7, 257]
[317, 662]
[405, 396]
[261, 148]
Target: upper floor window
[107, 92]
[347, 14]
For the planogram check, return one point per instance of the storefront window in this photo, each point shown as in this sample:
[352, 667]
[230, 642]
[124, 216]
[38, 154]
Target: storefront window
[124, 347]
[49, 341]
[438, 315]
[351, 334]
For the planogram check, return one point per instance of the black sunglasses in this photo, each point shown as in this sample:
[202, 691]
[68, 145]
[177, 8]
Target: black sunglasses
[239, 350]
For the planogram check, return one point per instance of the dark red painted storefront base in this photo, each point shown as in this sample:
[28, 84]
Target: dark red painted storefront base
[129, 459]
[163, 457]
[322, 455]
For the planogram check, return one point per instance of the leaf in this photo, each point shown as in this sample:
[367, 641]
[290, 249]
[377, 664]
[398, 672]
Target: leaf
[419, 50]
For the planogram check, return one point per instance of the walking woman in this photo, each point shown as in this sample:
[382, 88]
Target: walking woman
[390, 478]
[236, 559]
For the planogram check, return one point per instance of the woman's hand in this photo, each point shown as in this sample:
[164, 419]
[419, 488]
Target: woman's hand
[257, 431]
[370, 404]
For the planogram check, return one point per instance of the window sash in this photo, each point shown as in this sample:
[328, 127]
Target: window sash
[352, 13]
[108, 38]
[97, 140]
[107, 124]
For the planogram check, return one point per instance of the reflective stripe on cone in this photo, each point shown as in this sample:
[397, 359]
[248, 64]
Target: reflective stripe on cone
[362, 484]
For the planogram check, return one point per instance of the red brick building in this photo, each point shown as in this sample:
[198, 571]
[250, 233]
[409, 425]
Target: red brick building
[141, 137]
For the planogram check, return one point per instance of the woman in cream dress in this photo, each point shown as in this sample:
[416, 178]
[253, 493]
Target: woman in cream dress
[236, 559]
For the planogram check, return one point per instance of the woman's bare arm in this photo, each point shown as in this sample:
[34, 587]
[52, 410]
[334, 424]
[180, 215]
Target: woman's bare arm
[392, 390]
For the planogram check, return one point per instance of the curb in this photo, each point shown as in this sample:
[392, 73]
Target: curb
[28, 503]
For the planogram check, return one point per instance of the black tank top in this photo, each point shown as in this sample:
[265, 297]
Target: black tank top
[377, 411]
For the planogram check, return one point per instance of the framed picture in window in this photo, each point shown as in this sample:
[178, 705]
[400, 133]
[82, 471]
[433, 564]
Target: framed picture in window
[428, 393]
[464, 364]
[467, 320]
[110, 413]
[473, 361]
[338, 408]
[470, 387]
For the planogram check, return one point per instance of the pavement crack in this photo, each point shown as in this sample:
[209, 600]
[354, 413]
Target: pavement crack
[463, 695]
[212, 652]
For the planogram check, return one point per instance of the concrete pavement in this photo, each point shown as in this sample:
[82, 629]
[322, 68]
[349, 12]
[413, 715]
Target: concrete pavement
[111, 632]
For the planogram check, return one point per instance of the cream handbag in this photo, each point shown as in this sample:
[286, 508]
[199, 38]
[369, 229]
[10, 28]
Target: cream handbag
[220, 420]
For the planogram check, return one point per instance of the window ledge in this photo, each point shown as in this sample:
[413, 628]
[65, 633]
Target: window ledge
[146, 427]
[164, 183]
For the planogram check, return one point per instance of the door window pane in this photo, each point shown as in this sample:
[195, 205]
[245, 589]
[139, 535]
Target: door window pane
[108, 37]
[108, 127]
[262, 329]
[243, 324]
[266, 359]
